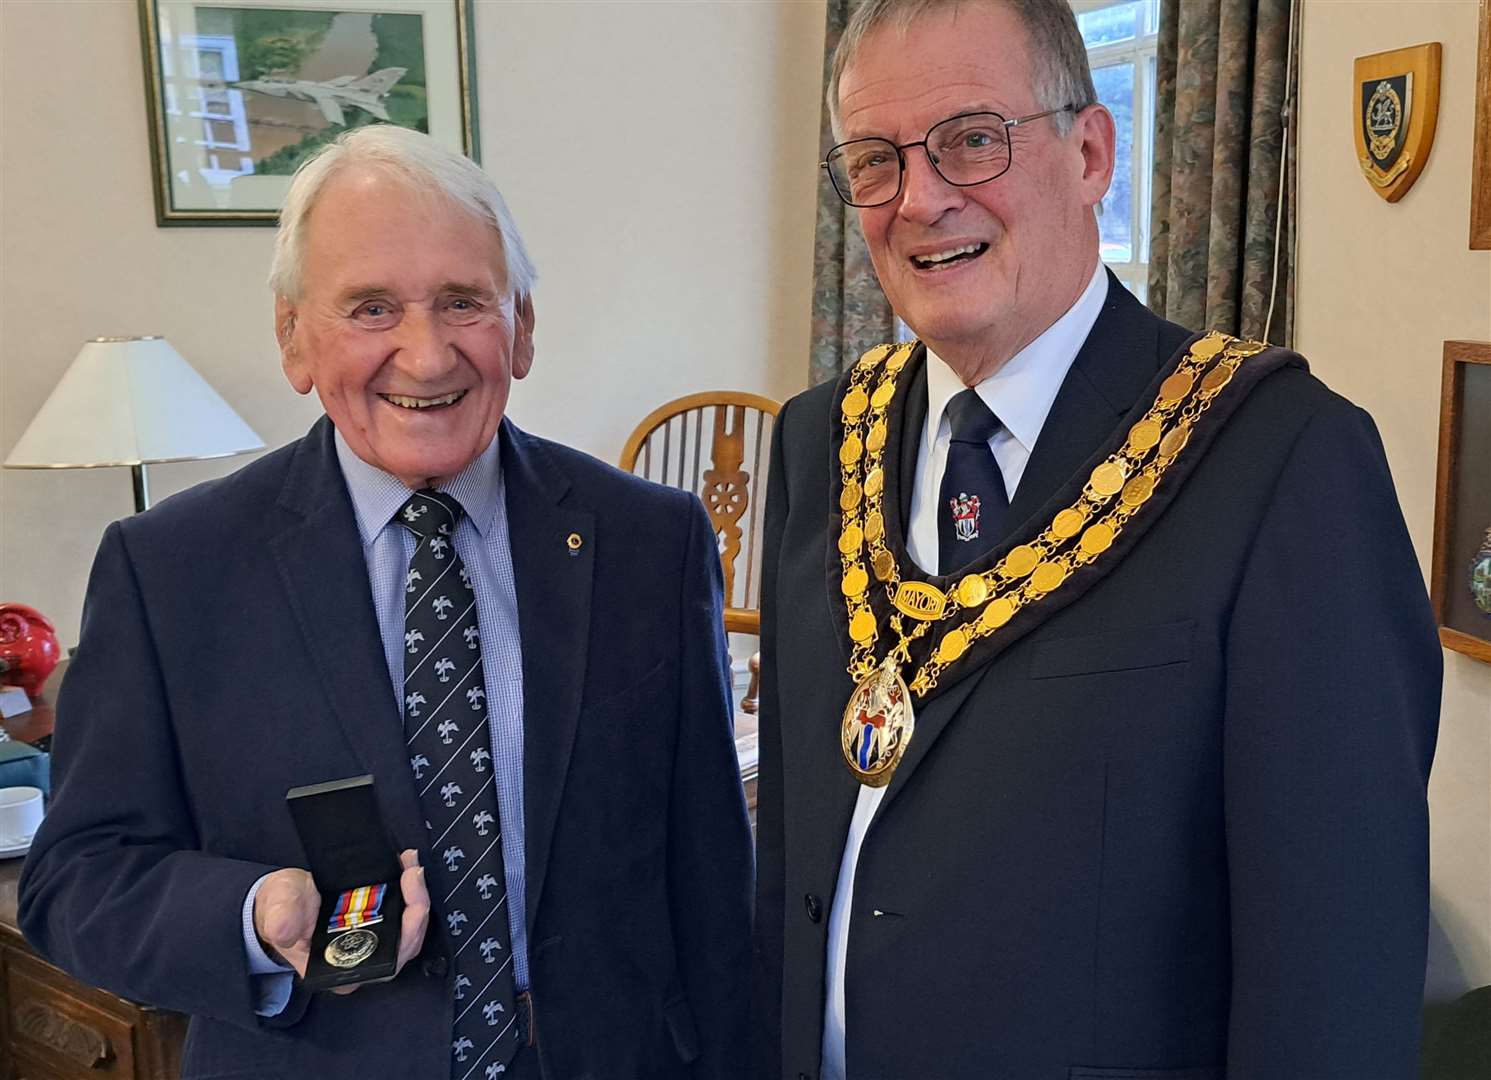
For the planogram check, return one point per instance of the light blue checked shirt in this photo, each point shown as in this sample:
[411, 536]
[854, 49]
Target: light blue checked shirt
[482, 542]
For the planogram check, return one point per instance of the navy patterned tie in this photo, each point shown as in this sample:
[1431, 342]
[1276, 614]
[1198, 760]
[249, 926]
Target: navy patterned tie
[972, 503]
[445, 724]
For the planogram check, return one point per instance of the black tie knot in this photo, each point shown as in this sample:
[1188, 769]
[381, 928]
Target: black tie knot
[430, 513]
[972, 421]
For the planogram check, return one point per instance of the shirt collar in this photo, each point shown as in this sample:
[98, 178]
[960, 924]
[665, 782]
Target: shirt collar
[1022, 392]
[377, 495]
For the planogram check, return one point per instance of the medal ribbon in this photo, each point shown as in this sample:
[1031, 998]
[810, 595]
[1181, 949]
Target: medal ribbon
[361, 906]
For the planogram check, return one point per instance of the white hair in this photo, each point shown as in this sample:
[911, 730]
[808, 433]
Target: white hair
[415, 158]
[1061, 76]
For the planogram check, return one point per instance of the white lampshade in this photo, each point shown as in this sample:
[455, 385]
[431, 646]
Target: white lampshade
[130, 401]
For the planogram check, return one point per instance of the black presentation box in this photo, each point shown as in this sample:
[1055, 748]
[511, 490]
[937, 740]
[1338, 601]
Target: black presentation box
[347, 847]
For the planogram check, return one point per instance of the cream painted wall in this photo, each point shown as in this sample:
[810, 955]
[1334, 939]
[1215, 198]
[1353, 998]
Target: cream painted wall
[1380, 288]
[658, 156]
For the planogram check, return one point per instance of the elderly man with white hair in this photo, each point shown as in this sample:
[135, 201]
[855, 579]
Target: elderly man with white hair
[420, 592]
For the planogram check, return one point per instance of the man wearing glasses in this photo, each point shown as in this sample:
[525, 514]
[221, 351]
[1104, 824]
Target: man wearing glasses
[1100, 687]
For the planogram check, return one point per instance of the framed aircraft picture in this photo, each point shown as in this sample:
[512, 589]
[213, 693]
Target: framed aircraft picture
[240, 92]
[1461, 584]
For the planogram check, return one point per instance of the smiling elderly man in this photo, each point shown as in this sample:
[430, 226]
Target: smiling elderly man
[1137, 677]
[582, 909]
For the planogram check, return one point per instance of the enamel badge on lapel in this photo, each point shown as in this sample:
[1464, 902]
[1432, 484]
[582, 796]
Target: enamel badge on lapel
[1396, 111]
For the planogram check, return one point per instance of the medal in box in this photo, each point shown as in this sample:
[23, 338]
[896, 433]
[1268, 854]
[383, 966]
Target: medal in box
[356, 870]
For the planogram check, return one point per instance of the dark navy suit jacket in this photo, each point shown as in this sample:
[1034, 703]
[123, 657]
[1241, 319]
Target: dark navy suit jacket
[1176, 832]
[230, 652]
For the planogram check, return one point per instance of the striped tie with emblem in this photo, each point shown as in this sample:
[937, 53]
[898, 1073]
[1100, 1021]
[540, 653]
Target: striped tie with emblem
[445, 723]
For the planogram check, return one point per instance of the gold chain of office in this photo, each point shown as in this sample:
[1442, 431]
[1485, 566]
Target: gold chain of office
[980, 603]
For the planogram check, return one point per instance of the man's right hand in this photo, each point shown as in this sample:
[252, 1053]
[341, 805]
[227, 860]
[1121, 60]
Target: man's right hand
[285, 912]
[287, 906]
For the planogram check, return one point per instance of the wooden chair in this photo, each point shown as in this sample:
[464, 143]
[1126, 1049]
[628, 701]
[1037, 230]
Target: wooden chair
[716, 444]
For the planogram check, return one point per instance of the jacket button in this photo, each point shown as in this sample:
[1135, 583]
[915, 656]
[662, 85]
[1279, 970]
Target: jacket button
[803, 1076]
[436, 967]
[814, 906]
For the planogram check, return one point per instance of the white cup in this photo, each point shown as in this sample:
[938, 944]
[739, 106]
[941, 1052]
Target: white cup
[20, 815]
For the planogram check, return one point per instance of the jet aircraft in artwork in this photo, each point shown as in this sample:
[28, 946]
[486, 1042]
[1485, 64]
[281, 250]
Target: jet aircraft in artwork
[365, 92]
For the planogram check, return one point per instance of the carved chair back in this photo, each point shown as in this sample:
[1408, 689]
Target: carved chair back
[716, 444]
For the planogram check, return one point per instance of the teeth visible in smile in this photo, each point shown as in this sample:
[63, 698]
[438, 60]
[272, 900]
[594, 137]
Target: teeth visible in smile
[943, 256]
[423, 403]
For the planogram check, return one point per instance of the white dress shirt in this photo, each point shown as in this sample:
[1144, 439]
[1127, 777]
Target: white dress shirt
[1020, 394]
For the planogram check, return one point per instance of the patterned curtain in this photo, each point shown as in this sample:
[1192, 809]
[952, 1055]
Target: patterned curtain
[850, 313]
[1220, 129]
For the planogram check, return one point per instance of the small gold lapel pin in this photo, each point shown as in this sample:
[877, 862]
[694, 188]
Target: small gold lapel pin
[574, 542]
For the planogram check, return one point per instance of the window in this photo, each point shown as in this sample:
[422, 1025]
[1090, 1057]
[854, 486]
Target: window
[213, 100]
[1121, 37]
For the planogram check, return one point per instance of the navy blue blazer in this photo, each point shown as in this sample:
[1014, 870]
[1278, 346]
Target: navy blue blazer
[1176, 832]
[230, 652]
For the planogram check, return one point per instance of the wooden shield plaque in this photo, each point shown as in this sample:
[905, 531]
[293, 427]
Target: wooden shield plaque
[1395, 110]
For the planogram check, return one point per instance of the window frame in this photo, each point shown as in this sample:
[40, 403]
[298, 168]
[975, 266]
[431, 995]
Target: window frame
[1141, 51]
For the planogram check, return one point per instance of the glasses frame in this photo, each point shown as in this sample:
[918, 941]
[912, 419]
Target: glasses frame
[931, 157]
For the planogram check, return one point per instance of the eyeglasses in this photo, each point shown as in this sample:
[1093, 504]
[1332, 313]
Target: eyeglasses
[965, 150]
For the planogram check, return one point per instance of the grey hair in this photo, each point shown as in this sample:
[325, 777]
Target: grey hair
[1060, 74]
[426, 165]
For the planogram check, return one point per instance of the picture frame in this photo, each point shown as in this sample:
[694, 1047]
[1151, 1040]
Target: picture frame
[1480, 160]
[239, 92]
[1461, 573]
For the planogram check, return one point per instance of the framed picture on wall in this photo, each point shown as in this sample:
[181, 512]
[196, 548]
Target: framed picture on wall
[240, 92]
[1480, 167]
[1462, 502]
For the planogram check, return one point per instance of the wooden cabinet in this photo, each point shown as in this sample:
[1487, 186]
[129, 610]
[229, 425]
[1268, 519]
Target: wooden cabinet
[52, 1027]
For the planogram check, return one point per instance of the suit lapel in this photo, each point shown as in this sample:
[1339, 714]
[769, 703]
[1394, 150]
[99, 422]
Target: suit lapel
[320, 559]
[820, 791]
[913, 421]
[554, 589]
[1080, 419]
[1114, 365]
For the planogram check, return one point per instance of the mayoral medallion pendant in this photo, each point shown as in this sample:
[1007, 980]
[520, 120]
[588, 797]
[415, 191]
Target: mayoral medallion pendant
[878, 722]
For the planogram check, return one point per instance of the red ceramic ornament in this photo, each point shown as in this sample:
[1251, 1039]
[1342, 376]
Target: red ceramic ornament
[28, 647]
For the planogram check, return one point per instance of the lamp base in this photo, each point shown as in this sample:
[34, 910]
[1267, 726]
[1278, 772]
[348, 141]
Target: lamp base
[142, 488]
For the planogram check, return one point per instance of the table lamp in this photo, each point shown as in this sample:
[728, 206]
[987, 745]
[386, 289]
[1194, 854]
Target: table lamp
[131, 401]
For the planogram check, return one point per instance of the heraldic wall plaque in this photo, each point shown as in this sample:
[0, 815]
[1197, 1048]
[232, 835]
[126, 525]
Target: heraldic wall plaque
[1396, 110]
